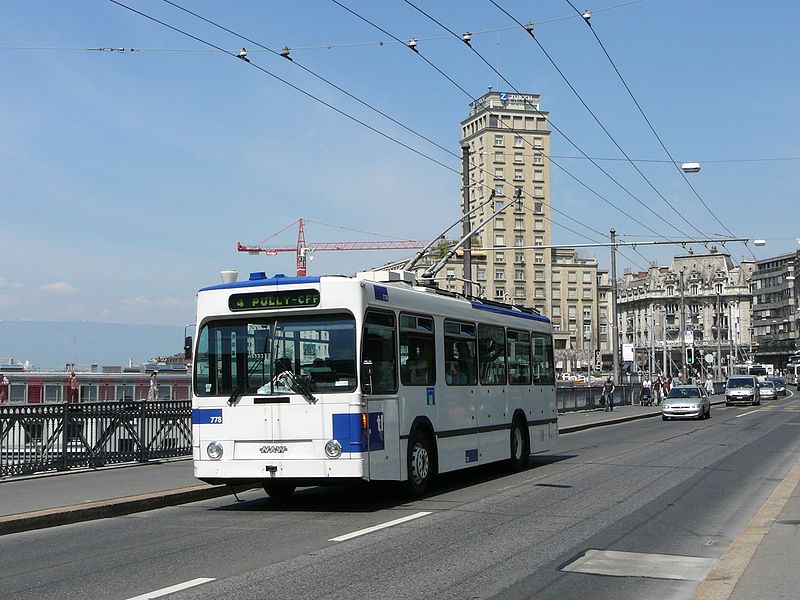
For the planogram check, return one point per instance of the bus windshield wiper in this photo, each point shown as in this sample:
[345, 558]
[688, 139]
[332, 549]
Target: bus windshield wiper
[299, 386]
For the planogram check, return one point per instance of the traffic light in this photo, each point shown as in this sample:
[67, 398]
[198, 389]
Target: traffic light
[689, 355]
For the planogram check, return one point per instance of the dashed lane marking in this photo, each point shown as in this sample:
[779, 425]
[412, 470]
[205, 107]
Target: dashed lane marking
[173, 588]
[747, 413]
[639, 564]
[360, 532]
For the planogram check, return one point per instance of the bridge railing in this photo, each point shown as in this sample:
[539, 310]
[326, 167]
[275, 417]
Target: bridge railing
[54, 437]
[36, 438]
[582, 397]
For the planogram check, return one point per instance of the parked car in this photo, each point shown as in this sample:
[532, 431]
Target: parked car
[767, 390]
[780, 385]
[689, 401]
[742, 389]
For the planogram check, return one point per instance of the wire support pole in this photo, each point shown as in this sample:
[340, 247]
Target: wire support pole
[615, 319]
[465, 188]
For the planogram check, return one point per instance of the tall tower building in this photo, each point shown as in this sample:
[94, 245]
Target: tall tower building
[509, 148]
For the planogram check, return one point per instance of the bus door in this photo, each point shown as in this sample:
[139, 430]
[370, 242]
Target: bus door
[380, 397]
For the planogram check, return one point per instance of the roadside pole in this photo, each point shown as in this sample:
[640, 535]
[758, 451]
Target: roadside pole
[614, 316]
[465, 224]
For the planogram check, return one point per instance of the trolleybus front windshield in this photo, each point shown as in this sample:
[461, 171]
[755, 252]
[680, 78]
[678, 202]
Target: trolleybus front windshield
[246, 356]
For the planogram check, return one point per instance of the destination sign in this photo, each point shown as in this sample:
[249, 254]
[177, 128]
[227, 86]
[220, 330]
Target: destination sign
[266, 300]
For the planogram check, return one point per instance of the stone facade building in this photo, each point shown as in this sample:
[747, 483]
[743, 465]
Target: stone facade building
[714, 295]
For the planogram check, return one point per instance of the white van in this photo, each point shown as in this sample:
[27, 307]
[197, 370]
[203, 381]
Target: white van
[742, 389]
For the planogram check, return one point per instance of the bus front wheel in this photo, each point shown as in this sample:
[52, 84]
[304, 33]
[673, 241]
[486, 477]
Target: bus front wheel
[419, 464]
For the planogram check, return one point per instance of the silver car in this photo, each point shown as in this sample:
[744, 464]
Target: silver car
[767, 390]
[742, 389]
[686, 401]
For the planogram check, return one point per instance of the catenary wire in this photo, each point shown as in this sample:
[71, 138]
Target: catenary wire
[563, 134]
[591, 112]
[369, 106]
[205, 42]
[647, 120]
[537, 150]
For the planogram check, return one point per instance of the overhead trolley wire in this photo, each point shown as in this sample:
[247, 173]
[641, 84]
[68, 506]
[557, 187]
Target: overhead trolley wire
[308, 94]
[457, 85]
[537, 150]
[367, 105]
[529, 31]
[647, 120]
[291, 85]
[565, 136]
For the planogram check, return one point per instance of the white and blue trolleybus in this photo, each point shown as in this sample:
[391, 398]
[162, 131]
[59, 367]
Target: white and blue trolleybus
[303, 381]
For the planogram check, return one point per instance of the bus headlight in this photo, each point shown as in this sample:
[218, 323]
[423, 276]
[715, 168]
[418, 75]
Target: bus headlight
[214, 450]
[333, 449]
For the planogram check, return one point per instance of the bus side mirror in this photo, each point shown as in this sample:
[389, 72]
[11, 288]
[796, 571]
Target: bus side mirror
[187, 347]
[366, 377]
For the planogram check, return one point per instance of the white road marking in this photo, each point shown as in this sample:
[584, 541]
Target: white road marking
[349, 536]
[173, 588]
[747, 413]
[637, 564]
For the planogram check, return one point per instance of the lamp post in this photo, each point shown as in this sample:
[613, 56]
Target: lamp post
[718, 362]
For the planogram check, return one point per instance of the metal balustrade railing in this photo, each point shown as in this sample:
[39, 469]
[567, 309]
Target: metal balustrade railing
[54, 437]
[582, 397]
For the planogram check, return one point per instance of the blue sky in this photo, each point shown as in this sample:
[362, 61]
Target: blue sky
[127, 178]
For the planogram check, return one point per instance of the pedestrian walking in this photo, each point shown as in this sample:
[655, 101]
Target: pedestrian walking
[608, 395]
[73, 387]
[152, 392]
[647, 391]
[3, 389]
[709, 384]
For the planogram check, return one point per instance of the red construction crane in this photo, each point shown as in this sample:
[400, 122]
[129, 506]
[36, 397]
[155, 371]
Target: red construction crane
[302, 249]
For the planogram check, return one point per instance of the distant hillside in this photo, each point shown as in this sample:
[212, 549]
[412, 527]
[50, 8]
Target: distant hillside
[54, 343]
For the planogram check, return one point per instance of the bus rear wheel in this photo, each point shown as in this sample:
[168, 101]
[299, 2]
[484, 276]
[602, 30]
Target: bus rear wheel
[419, 464]
[520, 446]
[279, 490]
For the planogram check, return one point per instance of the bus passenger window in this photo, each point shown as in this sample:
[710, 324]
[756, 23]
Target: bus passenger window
[379, 347]
[460, 354]
[543, 372]
[519, 357]
[417, 351]
[492, 354]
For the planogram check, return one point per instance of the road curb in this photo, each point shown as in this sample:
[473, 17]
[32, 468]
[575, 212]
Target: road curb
[103, 509]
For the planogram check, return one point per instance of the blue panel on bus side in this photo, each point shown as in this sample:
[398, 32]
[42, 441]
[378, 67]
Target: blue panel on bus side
[206, 416]
[471, 456]
[348, 432]
[430, 394]
[381, 293]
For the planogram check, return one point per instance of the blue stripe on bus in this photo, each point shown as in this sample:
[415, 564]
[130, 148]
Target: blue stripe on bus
[206, 416]
[348, 432]
[263, 282]
[508, 312]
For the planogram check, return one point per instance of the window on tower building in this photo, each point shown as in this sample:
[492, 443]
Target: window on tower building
[498, 140]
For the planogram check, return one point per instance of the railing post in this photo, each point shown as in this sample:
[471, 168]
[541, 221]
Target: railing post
[65, 437]
[142, 432]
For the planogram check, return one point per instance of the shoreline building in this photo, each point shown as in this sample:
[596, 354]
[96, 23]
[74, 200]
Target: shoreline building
[714, 296]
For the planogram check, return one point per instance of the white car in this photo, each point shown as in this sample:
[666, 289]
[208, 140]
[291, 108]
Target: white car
[686, 401]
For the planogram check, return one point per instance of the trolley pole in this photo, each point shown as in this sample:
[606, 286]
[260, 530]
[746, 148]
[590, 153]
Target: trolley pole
[614, 316]
[465, 224]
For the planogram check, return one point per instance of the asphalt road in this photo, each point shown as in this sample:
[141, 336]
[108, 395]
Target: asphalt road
[556, 530]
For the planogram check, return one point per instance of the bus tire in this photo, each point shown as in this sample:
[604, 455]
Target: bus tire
[279, 491]
[520, 445]
[419, 462]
